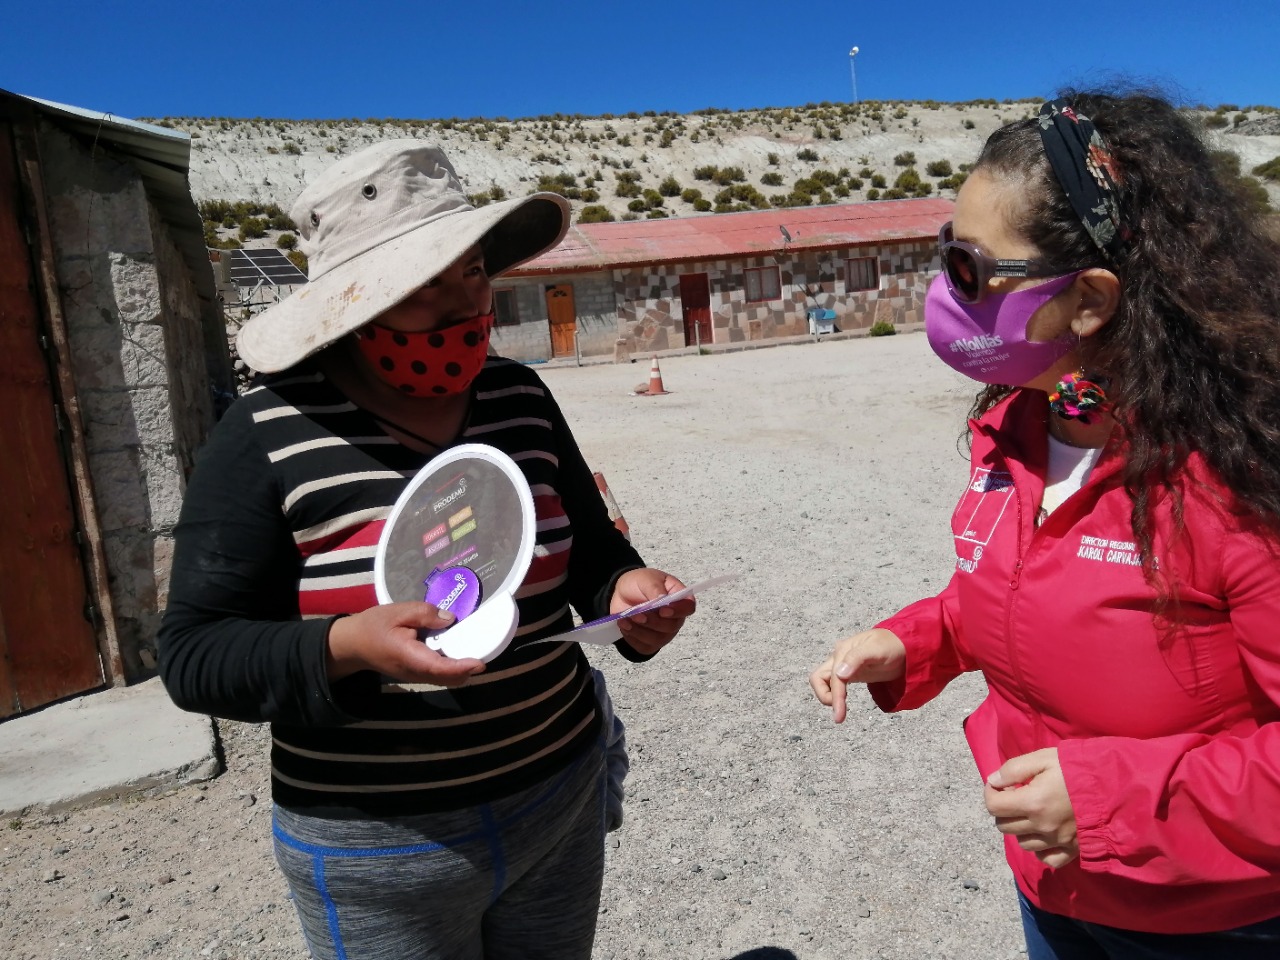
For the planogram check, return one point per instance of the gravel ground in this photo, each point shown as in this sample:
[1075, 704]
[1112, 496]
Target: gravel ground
[755, 828]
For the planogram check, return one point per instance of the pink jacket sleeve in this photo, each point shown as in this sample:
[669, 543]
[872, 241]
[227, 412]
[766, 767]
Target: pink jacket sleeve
[1191, 808]
[930, 630]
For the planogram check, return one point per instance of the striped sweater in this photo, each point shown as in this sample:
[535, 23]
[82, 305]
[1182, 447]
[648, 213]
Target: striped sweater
[278, 533]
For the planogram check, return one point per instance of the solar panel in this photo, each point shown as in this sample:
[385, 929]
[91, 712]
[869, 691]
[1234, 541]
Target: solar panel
[248, 268]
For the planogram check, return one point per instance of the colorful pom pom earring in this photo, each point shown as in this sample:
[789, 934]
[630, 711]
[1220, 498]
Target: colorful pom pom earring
[1078, 398]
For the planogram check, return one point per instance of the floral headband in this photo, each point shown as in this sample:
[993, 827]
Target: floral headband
[1089, 175]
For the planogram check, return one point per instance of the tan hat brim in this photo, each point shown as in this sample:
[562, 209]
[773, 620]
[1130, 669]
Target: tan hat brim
[353, 293]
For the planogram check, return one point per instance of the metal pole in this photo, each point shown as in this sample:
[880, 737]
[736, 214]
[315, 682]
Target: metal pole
[853, 73]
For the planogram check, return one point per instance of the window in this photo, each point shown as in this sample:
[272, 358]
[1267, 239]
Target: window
[762, 283]
[504, 308]
[861, 273]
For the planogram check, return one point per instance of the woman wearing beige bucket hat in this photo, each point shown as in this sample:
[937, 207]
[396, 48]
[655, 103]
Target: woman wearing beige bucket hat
[457, 822]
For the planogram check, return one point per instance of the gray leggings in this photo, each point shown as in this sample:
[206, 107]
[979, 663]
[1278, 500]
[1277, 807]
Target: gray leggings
[517, 878]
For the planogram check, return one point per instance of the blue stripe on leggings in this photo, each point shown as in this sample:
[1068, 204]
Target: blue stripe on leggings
[494, 833]
[491, 832]
[330, 908]
[315, 849]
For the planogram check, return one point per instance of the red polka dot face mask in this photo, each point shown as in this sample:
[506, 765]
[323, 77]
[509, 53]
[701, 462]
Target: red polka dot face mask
[435, 363]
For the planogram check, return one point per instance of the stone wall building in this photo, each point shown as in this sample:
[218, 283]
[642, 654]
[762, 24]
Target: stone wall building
[117, 360]
[649, 285]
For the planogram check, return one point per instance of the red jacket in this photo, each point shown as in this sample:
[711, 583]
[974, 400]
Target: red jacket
[1169, 747]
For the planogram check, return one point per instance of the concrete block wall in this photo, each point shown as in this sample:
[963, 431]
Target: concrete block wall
[594, 303]
[138, 351]
[905, 271]
[732, 314]
[641, 305]
[530, 339]
[650, 316]
[597, 308]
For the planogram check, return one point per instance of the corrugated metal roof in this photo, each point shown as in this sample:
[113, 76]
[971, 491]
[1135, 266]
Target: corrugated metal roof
[162, 158]
[600, 246]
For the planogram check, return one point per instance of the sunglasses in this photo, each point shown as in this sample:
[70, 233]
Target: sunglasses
[968, 269]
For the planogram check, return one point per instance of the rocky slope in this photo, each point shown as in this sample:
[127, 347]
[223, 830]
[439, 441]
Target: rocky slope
[590, 157]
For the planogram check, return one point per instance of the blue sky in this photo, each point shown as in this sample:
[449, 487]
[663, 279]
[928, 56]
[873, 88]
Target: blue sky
[388, 58]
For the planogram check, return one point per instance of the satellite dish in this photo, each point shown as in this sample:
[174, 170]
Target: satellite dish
[786, 237]
[461, 536]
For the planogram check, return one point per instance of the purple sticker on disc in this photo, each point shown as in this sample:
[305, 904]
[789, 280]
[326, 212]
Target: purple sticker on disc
[456, 589]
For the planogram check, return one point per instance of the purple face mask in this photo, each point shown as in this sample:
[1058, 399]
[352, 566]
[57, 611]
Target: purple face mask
[987, 341]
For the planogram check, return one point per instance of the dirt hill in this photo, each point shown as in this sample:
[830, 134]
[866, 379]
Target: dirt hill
[642, 165]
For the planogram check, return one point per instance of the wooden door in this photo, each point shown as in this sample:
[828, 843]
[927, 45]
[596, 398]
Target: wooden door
[695, 301]
[48, 649]
[562, 316]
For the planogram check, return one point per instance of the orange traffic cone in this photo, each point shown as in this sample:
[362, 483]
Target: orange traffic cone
[656, 388]
[611, 505]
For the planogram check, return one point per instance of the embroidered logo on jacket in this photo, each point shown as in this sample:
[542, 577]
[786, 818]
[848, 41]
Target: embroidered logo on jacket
[1102, 550]
[979, 513]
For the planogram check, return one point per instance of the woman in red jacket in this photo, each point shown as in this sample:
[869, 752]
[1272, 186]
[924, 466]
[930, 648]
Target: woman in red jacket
[1118, 545]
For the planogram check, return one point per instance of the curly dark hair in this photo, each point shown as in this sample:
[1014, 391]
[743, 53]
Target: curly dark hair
[1196, 334]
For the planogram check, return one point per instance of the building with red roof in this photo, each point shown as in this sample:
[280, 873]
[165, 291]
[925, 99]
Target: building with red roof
[638, 286]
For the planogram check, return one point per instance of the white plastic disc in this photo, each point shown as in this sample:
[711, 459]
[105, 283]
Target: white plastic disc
[469, 507]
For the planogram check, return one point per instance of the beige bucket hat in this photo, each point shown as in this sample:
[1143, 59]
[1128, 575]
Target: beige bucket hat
[375, 227]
